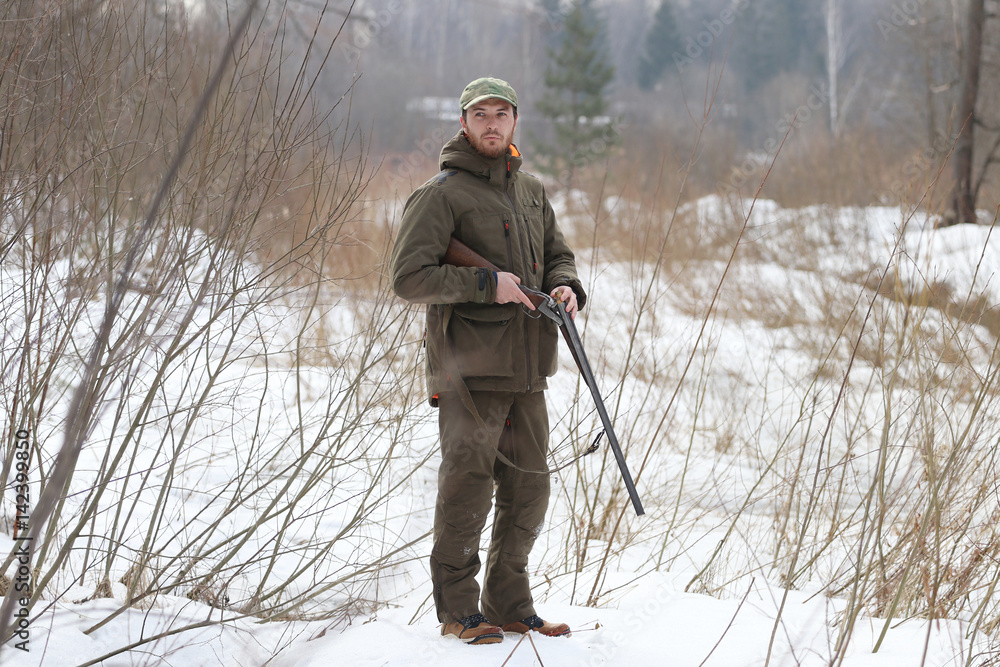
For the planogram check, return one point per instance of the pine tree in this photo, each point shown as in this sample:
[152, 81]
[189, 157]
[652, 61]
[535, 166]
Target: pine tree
[661, 42]
[575, 79]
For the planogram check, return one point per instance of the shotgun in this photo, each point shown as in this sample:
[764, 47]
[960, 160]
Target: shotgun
[459, 254]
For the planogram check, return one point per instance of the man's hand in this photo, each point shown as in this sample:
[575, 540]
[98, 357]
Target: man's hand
[508, 290]
[566, 293]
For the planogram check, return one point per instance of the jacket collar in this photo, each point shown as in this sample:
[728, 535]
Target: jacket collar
[458, 153]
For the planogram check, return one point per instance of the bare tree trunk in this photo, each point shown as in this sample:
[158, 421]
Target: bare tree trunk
[833, 61]
[963, 205]
[928, 86]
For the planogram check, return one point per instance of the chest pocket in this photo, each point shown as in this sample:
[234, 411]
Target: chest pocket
[484, 233]
[531, 210]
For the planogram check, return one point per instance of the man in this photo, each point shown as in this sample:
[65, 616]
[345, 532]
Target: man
[487, 361]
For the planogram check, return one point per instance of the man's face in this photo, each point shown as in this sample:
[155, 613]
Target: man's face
[489, 125]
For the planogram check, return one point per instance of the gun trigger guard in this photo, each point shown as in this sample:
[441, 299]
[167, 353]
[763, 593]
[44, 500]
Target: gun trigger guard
[547, 307]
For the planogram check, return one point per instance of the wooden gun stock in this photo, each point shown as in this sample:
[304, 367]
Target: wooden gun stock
[459, 254]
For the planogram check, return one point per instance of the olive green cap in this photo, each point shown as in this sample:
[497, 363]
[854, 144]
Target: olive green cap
[487, 88]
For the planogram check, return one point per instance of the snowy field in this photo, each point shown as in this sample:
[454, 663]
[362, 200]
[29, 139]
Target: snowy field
[818, 408]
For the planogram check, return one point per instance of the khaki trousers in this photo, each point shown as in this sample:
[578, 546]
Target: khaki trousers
[517, 424]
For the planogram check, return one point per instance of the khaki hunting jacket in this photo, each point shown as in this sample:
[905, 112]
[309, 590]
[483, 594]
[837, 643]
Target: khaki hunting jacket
[504, 215]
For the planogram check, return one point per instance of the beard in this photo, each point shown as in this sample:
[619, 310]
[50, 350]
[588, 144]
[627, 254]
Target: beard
[487, 150]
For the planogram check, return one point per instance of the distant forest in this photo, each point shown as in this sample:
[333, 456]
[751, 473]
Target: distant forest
[878, 76]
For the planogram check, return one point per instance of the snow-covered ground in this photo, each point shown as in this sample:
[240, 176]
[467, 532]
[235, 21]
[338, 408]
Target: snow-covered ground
[655, 623]
[711, 369]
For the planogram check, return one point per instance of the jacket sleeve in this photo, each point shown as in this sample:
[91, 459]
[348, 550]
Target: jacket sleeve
[415, 266]
[560, 262]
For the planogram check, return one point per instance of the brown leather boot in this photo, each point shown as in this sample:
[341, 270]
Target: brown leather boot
[538, 625]
[473, 629]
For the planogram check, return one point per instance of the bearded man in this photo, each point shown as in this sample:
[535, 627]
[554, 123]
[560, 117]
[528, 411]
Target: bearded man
[488, 358]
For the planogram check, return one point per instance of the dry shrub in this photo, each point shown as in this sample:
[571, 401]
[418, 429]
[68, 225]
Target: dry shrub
[103, 589]
[815, 168]
[261, 231]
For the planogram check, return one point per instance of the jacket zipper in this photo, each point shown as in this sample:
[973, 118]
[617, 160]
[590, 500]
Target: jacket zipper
[506, 238]
[510, 258]
[525, 235]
